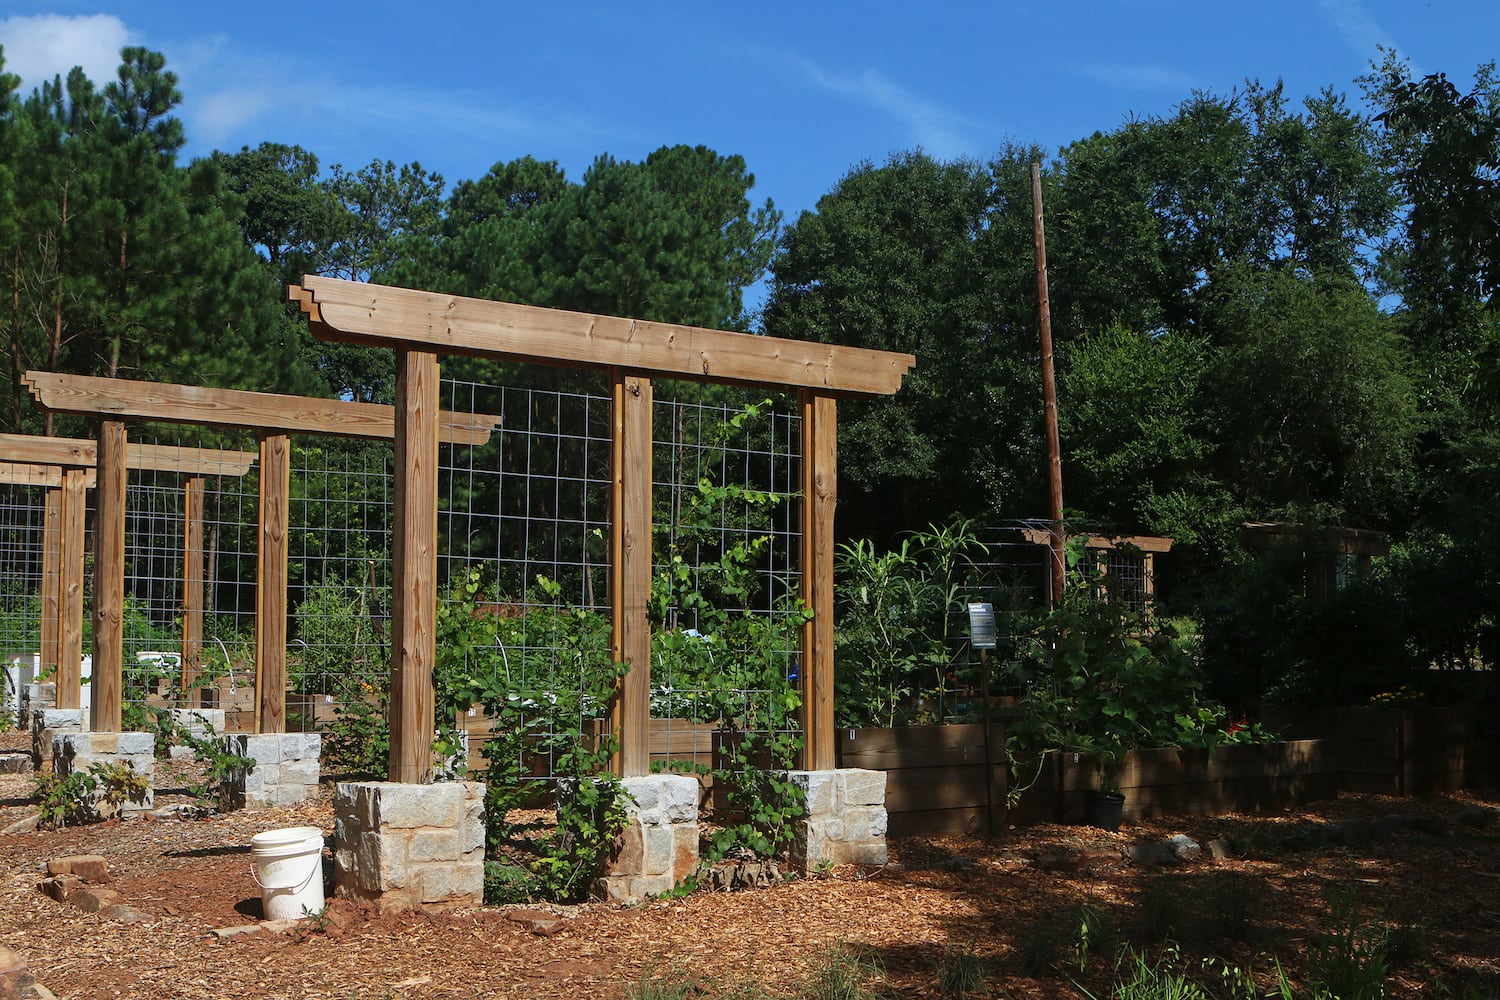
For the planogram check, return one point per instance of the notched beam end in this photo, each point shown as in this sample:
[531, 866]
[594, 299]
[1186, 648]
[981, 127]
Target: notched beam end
[306, 300]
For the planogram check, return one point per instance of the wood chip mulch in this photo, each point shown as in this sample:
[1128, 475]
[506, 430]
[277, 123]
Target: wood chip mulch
[1439, 879]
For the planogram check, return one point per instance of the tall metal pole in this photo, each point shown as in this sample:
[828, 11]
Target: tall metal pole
[1049, 386]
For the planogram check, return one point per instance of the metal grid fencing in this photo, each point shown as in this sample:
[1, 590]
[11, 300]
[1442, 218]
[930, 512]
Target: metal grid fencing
[22, 523]
[523, 658]
[524, 666]
[727, 584]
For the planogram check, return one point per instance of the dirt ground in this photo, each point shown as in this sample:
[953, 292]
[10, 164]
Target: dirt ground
[1436, 879]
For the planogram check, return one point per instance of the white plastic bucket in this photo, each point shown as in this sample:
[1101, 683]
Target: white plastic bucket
[288, 867]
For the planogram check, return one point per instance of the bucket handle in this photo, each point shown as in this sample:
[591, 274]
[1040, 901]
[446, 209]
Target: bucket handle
[316, 870]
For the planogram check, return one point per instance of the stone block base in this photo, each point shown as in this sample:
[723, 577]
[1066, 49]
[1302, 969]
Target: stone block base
[78, 752]
[846, 818]
[409, 847]
[202, 723]
[285, 772]
[46, 725]
[658, 849]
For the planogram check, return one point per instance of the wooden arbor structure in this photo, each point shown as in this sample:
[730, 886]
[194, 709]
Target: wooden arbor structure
[420, 325]
[275, 417]
[1321, 547]
[65, 467]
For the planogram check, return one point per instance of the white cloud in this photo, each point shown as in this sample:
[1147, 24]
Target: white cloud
[935, 129]
[1358, 28]
[39, 48]
[1144, 77]
[219, 116]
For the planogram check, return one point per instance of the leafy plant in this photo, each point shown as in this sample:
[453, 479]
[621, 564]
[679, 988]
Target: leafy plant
[1350, 960]
[87, 796]
[896, 610]
[675, 984]
[1098, 683]
[962, 972]
[220, 766]
[844, 972]
[61, 801]
[544, 678]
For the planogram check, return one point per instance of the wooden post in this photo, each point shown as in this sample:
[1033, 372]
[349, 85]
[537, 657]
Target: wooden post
[630, 570]
[109, 580]
[414, 568]
[51, 576]
[192, 589]
[1049, 390]
[270, 584]
[819, 498]
[70, 588]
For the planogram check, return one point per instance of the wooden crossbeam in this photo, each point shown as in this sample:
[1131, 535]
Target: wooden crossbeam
[190, 404]
[358, 312]
[83, 453]
[31, 474]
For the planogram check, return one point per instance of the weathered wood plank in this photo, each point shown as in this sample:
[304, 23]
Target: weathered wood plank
[109, 580]
[358, 312]
[192, 588]
[271, 583]
[71, 583]
[51, 573]
[819, 471]
[190, 404]
[414, 568]
[83, 453]
[630, 569]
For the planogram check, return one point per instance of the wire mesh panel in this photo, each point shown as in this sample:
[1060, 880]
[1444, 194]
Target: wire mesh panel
[340, 518]
[523, 656]
[1126, 571]
[190, 562]
[22, 529]
[727, 577]
[151, 657]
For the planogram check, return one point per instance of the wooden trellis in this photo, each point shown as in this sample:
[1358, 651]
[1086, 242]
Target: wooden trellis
[420, 325]
[275, 417]
[66, 468]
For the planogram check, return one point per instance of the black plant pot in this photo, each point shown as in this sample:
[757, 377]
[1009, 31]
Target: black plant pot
[1103, 810]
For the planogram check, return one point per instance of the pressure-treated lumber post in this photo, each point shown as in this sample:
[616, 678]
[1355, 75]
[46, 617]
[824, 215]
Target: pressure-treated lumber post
[270, 584]
[109, 580]
[819, 497]
[414, 567]
[192, 588]
[51, 575]
[630, 570]
[74, 504]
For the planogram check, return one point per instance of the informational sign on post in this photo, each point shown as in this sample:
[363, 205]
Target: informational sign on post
[982, 626]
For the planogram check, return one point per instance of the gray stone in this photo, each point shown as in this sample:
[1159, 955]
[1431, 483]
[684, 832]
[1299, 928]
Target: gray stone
[820, 788]
[434, 844]
[644, 794]
[453, 884]
[122, 913]
[239, 930]
[26, 824]
[1154, 853]
[400, 806]
[863, 787]
[1185, 848]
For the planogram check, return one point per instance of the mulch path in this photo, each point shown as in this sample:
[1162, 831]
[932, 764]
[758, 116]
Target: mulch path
[999, 897]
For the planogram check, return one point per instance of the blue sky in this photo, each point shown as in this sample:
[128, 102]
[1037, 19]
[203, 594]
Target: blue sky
[804, 91]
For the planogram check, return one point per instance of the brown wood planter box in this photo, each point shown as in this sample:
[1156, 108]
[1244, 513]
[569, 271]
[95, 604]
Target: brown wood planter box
[936, 779]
